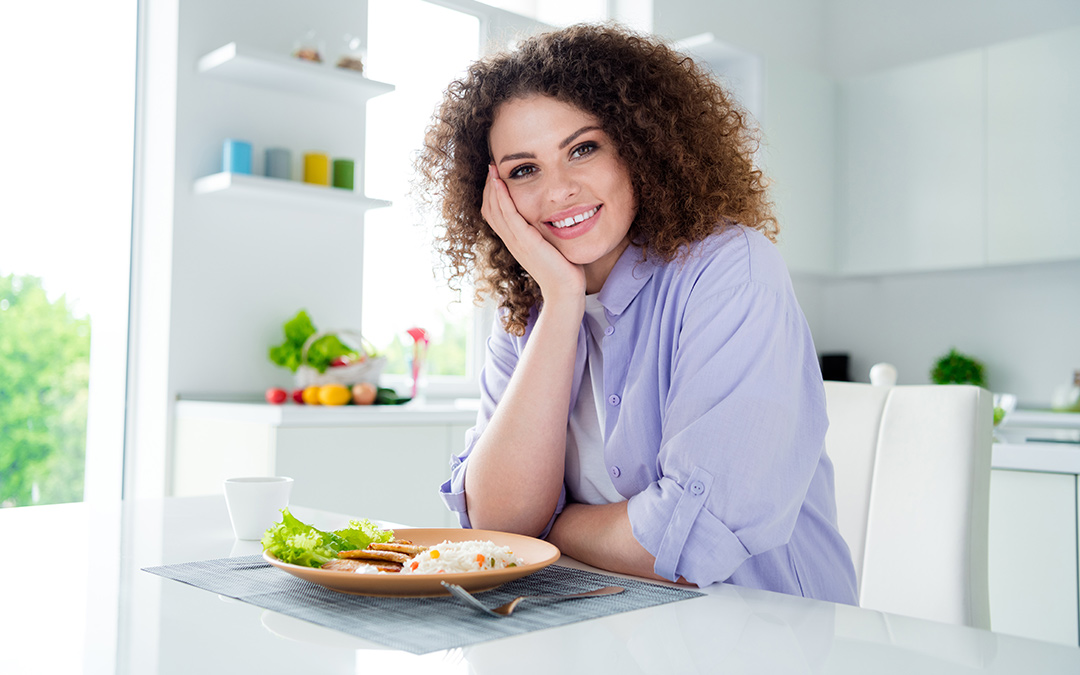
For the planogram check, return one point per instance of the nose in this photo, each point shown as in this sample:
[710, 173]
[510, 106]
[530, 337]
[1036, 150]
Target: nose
[562, 185]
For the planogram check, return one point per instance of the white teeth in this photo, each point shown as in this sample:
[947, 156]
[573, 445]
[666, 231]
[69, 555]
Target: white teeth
[574, 220]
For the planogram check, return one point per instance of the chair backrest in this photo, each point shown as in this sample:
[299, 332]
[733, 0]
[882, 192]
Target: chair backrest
[912, 466]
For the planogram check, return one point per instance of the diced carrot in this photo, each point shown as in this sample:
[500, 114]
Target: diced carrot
[415, 564]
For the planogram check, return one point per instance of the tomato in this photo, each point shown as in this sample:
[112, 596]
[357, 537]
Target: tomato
[298, 395]
[276, 396]
[363, 393]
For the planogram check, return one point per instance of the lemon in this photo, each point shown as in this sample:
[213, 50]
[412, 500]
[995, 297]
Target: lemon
[334, 394]
[311, 395]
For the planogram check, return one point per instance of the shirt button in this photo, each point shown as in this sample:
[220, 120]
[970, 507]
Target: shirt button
[614, 399]
[615, 473]
[609, 330]
[697, 488]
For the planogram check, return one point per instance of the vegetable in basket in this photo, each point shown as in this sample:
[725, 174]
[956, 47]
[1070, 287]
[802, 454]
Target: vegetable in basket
[320, 355]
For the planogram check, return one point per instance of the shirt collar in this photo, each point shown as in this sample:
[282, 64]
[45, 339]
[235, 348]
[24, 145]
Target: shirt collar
[626, 280]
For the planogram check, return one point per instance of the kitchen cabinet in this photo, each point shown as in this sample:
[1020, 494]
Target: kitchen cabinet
[963, 161]
[1033, 555]
[1033, 103]
[382, 462]
[959, 162]
[383, 472]
[911, 161]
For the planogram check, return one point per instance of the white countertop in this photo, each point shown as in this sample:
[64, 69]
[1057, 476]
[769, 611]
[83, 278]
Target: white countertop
[77, 601]
[1038, 440]
[460, 411]
[1047, 419]
[1042, 457]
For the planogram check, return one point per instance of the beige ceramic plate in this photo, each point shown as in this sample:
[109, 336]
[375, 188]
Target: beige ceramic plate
[536, 553]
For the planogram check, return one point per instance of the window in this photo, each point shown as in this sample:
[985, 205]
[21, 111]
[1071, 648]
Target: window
[65, 228]
[420, 46]
[401, 289]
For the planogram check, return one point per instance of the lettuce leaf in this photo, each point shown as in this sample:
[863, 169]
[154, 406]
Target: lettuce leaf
[362, 532]
[299, 543]
[324, 350]
[297, 330]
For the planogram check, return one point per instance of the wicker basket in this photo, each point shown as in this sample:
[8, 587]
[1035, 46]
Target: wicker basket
[367, 370]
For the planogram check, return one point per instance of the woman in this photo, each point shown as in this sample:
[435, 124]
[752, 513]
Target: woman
[651, 399]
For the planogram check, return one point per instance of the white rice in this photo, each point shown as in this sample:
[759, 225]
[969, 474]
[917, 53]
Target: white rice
[367, 569]
[455, 557]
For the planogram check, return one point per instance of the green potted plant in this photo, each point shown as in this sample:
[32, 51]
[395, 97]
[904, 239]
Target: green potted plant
[957, 368]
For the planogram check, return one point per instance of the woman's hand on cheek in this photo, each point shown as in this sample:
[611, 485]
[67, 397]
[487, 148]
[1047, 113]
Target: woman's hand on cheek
[545, 264]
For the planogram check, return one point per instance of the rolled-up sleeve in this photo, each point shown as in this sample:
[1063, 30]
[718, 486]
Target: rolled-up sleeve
[742, 433]
[501, 359]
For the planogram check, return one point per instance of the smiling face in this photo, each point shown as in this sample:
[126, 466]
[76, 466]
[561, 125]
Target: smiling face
[566, 179]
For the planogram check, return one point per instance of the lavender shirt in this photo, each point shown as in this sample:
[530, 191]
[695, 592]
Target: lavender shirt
[715, 419]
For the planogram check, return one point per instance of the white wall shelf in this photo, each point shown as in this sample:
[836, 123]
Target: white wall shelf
[283, 73]
[296, 193]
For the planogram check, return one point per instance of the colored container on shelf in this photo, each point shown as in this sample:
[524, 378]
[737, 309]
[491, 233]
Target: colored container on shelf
[278, 163]
[316, 168]
[236, 156]
[343, 173]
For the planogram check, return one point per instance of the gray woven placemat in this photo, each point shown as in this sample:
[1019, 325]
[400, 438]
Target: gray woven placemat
[419, 625]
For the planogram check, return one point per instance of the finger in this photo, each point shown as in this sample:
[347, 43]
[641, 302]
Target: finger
[506, 208]
[498, 202]
[494, 208]
[505, 219]
[487, 206]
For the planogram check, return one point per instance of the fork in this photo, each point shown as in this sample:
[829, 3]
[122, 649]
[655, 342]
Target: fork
[507, 609]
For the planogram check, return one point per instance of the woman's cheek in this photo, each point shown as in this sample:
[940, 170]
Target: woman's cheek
[524, 202]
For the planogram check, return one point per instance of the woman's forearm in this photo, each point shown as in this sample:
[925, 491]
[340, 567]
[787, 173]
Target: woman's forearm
[515, 470]
[601, 536]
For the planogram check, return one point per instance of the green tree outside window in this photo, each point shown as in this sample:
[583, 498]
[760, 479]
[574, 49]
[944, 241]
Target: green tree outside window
[44, 385]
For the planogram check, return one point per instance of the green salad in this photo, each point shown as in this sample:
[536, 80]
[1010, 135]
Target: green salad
[293, 541]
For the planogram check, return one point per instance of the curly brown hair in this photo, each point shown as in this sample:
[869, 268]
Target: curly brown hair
[687, 145]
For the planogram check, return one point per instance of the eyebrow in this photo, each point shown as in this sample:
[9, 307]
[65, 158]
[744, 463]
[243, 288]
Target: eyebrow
[566, 141]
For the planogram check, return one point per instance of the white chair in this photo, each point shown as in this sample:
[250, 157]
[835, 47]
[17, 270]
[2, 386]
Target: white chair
[912, 470]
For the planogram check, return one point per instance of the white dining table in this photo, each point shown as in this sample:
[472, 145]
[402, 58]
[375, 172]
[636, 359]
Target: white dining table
[74, 599]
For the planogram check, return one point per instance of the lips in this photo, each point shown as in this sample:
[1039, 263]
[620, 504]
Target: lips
[575, 219]
[572, 225]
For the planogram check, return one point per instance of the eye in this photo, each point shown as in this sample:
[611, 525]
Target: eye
[521, 171]
[586, 148]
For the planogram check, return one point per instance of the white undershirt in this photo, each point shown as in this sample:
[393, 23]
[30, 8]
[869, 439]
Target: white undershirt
[586, 473]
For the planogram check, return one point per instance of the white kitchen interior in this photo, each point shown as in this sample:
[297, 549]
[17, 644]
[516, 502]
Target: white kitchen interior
[922, 154]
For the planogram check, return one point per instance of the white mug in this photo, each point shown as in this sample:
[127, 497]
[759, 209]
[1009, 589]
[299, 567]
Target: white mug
[255, 503]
